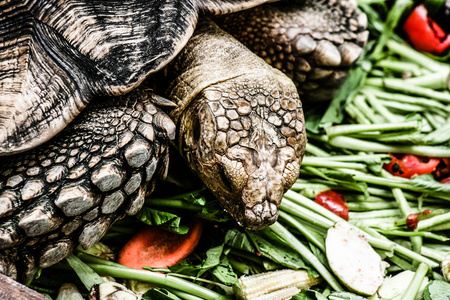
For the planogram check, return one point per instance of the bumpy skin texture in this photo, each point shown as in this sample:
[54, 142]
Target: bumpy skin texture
[56, 55]
[72, 189]
[314, 42]
[240, 124]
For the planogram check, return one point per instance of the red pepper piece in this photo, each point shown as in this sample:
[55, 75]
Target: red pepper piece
[424, 33]
[413, 219]
[445, 180]
[334, 202]
[410, 165]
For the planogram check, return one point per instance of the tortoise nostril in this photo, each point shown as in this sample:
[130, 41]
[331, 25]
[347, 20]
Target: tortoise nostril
[195, 129]
[224, 178]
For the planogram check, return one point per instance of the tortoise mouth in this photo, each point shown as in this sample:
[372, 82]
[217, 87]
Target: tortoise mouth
[260, 215]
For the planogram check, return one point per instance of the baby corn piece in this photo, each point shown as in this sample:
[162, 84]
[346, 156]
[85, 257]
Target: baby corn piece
[281, 284]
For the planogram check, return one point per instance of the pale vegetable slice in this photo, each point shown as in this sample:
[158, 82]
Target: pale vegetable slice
[394, 287]
[445, 267]
[353, 260]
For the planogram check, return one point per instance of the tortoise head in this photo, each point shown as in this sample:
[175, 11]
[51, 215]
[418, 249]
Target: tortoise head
[245, 139]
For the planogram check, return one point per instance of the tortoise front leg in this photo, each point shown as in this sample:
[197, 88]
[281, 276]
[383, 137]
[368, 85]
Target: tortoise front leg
[72, 189]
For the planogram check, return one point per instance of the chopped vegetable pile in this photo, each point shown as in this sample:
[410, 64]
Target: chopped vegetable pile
[369, 216]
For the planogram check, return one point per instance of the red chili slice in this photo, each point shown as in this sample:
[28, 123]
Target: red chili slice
[413, 219]
[409, 165]
[334, 202]
[424, 33]
[445, 180]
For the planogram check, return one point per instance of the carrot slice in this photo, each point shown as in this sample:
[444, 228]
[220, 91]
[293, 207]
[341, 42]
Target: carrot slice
[156, 247]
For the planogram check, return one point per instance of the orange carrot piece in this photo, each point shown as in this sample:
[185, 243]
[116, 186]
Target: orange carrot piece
[156, 247]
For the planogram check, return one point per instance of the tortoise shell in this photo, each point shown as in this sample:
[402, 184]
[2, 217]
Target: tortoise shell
[56, 55]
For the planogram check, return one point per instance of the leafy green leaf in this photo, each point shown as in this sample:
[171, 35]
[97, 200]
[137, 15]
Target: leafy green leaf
[213, 258]
[239, 240]
[88, 276]
[212, 210]
[167, 220]
[345, 296]
[335, 113]
[344, 179]
[195, 197]
[309, 295]
[437, 290]
[159, 294]
[186, 267]
[224, 272]
[277, 252]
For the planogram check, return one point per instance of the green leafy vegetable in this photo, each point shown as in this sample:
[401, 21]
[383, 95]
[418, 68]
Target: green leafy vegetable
[169, 221]
[159, 294]
[437, 290]
[86, 274]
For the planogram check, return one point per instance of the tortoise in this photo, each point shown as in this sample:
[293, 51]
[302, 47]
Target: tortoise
[237, 121]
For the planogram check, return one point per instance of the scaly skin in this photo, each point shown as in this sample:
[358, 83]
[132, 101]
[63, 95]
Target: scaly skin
[69, 191]
[240, 124]
[314, 42]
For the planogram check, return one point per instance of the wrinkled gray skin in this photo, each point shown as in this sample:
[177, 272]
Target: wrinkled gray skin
[240, 124]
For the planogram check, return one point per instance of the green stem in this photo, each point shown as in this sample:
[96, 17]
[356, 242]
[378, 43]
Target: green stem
[183, 295]
[409, 53]
[433, 221]
[318, 162]
[380, 223]
[157, 279]
[316, 151]
[401, 107]
[398, 97]
[302, 229]
[361, 145]
[360, 103]
[356, 114]
[356, 128]
[369, 206]
[375, 241]
[374, 214]
[305, 214]
[399, 66]
[391, 22]
[306, 254]
[405, 210]
[436, 81]
[426, 234]
[108, 268]
[416, 282]
[431, 119]
[381, 109]
[399, 85]
[354, 158]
